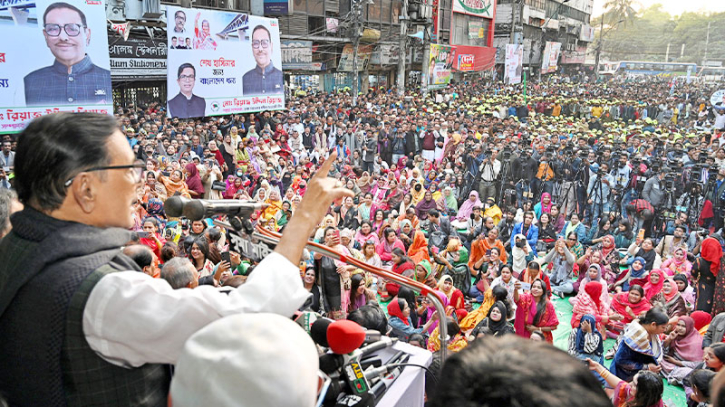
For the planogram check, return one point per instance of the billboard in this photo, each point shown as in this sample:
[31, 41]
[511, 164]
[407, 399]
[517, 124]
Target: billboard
[364, 53]
[514, 63]
[60, 64]
[465, 62]
[277, 7]
[222, 63]
[441, 65]
[479, 8]
[138, 58]
[549, 60]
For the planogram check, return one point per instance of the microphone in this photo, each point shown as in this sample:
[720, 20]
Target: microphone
[372, 335]
[383, 343]
[345, 336]
[198, 209]
[318, 331]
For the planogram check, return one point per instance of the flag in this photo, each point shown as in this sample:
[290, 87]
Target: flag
[525, 100]
[123, 29]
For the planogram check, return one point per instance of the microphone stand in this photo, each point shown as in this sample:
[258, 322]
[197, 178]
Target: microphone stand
[270, 237]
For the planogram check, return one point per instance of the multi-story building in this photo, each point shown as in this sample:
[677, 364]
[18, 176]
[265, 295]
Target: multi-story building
[535, 22]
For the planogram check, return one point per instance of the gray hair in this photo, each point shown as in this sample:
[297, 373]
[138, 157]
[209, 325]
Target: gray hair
[178, 272]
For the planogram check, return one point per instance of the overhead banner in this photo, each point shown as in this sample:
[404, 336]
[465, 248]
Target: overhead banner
[385, 54]
[587, 33]
[578, 56]
[35, 60]
[479, 8]
[364, 53]
[138, 58]
[441, 64]
[514, 63]
[277, 7]
[473, 58]
[229, 63]
[550, 59]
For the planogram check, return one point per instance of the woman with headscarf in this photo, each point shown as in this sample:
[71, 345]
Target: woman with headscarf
[465, 210]
[417, 192]
[702, 321]
[229, 156]
[424, 274]
[175, 183]
[389, 242]
[275, 204]
[379, 192]
[637, 274]
[456, 343]
[653, 286]
[193, 181]
[544, 206]
[491, 296]
[406, 233]
[678, 263]
[402, 265]
[686, 290]
[645, 250]
[534, 311]
[683, 351]
[454, 259]
[327, 221]
[400, 321]
[447, 203]
[395, 195]
[670, 300]
[586, 341]
[418, 250]
[705, 271]
[455, 296]
[495, 322]
[629, 305]
[422, 208]
[589, 302]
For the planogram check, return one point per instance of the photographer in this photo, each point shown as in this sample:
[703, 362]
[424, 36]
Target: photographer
[621, 175]
[523, 169]
[489, 170]
[528, 229]
[598, 191]
[717, 197]
[653, 191]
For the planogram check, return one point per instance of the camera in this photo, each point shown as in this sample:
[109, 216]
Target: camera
[418, 187]
[520, 243]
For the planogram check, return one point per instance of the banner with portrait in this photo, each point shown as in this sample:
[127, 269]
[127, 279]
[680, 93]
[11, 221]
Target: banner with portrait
[54, 58]
[222, 63]
[550, 59]
[441, 65]
[514, 63]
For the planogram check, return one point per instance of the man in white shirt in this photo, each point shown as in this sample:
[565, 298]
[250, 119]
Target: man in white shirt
[490, 167]
[92, 332]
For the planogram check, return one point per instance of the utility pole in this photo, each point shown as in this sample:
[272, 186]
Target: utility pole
[513, 21]
[599, 48]
[667, 53]
[402, 53]
[682, 51]
[707, 43]
[356, 12]
[426, 61]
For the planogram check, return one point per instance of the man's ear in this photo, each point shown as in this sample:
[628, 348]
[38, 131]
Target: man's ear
[84, 191]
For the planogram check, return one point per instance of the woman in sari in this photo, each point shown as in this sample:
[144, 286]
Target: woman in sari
[334, 277]
[544, 206]
[465, 210]
[589, 302]
[457, 342]
[275, 205]
[175, 183]
[590, 259]
[645, 390]
[685, 290]
[283, 216]
[534, 311]
[365, 233]
[366, 208]
[670, 300]
[400, 320]
[593, 273]
[379, 192]
[424, 275]
[406, 233]
[455, 296]
[640, 347]
[655, 281]
[485, 271]
[454, 259]
[202, 37]
[418, 250]
[389, 242]
[629, 305]
[447, 203]
[394, 196]
[379, 223]
[402, 265]
[705, 271]
[346, 214]
[678, 264]
[683, 351]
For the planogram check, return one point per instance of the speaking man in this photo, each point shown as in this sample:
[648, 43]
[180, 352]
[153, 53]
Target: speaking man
[82, 326]
[72, 79]
[186, 104]
[264, 79]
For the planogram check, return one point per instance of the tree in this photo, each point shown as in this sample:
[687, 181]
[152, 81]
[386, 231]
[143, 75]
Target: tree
[618, 10]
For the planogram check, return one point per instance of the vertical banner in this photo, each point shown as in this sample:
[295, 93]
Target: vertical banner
[441, 65]
[222, 63]
[54, 57]
[434, 17]
[514, 63]
[550, 59]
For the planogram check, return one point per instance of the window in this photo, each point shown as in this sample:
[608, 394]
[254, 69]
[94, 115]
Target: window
[315, 7]
[374, 11]
[470, 30]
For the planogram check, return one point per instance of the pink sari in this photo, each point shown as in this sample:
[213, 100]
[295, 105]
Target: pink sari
[525, 313]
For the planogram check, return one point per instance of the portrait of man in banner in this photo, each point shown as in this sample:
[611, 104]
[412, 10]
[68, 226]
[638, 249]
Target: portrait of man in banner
[264, 78]
[73, 78]
[186, 104]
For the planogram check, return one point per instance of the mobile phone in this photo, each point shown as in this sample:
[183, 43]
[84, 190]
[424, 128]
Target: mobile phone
[488, 252]
[142, 235]
[226, 257]
[336, 235]
[640, 235]
[165, 173]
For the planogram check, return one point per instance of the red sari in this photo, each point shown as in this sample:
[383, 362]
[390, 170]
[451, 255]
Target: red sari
[620, 302]
[393, 288]
[525, 312]
[589, 301]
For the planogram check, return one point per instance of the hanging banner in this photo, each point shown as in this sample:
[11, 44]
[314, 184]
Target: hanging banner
[475, 29]
[465, 62]
[514, 63]
[36, 55]
[363, 58]
[277, 7]
[434, 17]
[229, 63]
[578, 56]
[479, 8]
[138, 58]
[441, 64]
[385, 54]
[550, 59]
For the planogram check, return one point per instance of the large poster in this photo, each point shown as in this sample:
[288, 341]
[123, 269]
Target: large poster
[222, 63]
[441, 65]
[514, 63]
[364, 52]
[550, 59]
[480, 8]
[53, 57]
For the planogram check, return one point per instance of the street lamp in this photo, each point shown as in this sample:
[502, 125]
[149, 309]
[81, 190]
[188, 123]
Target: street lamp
[599, 46]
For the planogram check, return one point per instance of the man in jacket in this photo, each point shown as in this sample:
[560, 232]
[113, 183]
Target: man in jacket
[653, 191]
[528, 229]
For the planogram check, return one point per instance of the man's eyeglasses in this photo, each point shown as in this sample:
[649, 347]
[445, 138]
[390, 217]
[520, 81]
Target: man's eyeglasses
[571, 239]
[263, 43]
[187, 77]
[138, 168]
[73, 30]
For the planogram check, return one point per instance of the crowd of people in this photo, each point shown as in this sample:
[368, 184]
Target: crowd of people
[610, 195]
